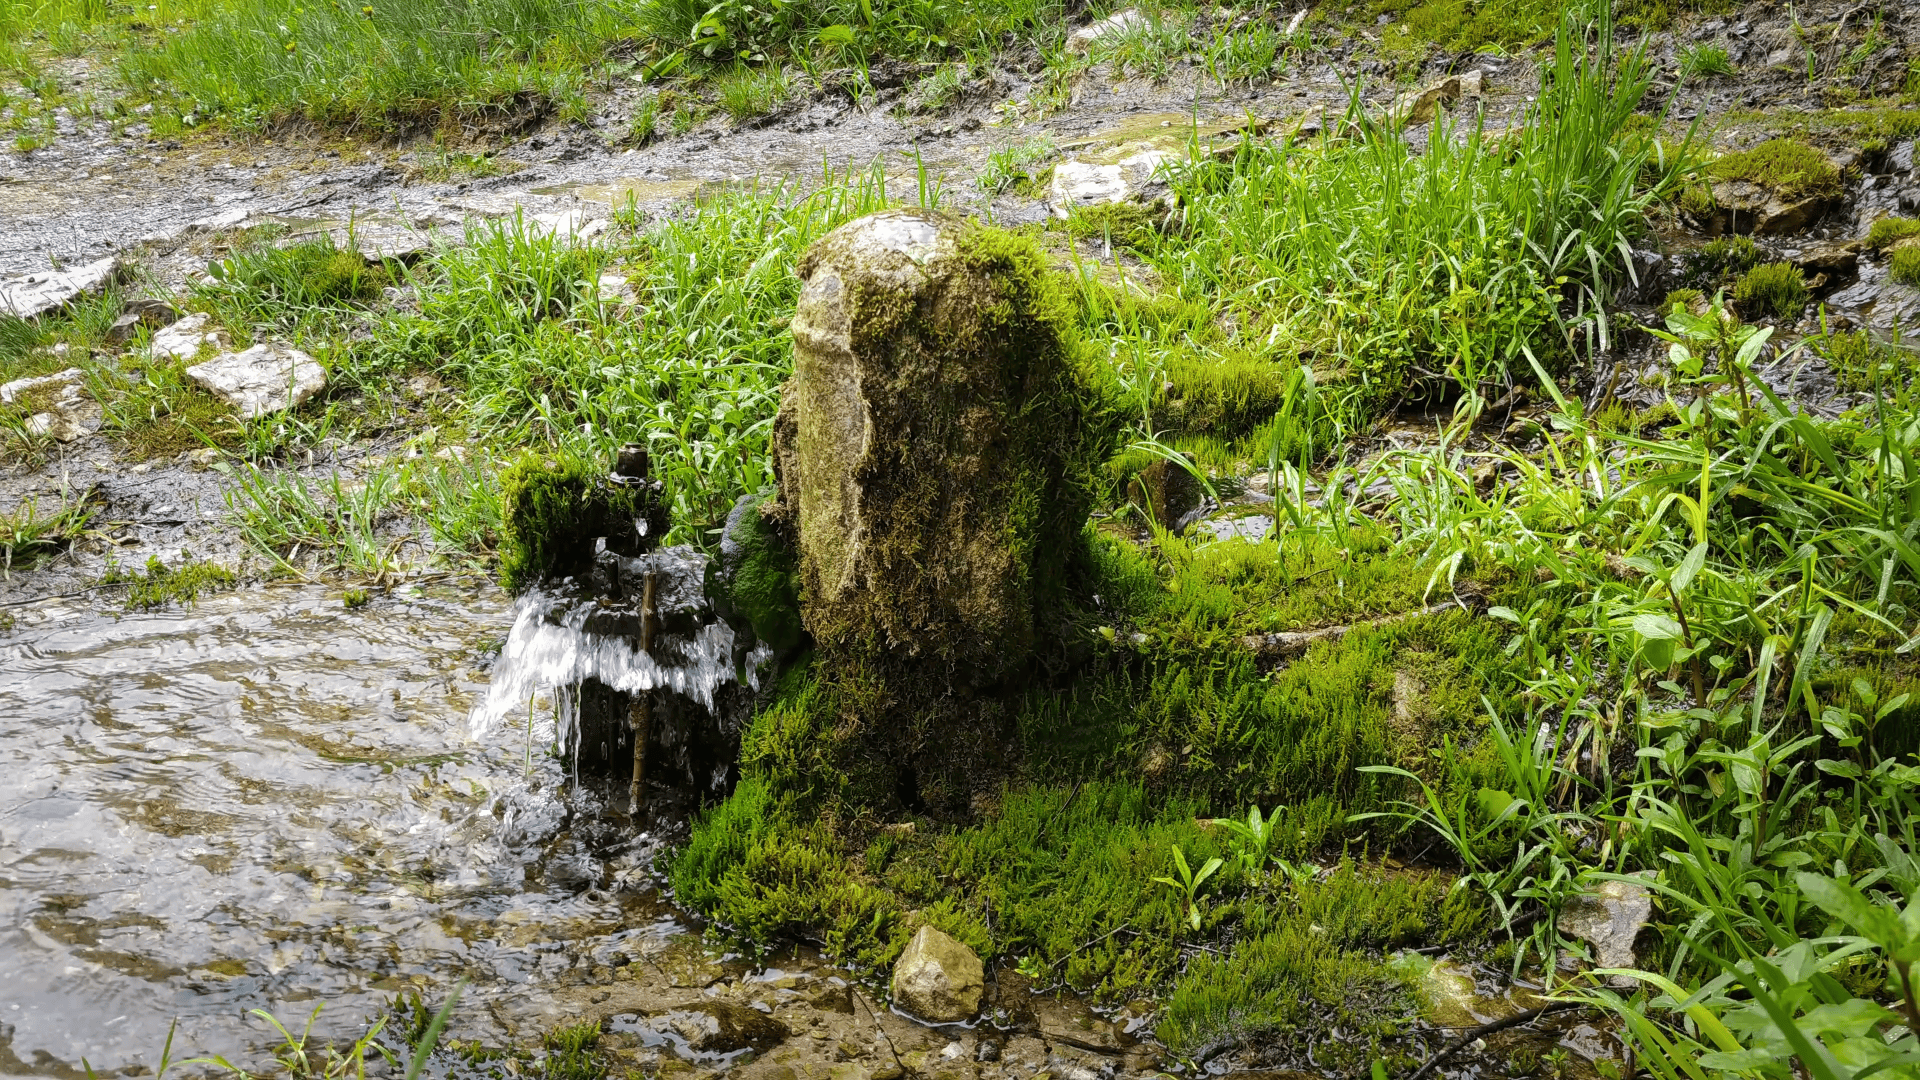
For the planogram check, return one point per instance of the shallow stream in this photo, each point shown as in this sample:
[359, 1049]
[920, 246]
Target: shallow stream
[270, 801]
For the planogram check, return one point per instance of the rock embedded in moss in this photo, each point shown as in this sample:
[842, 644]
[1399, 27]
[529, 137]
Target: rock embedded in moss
[938, 979]
[936, 445]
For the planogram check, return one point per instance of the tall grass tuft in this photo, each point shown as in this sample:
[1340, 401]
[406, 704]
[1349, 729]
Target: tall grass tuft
[1396, 271]
[378, 65]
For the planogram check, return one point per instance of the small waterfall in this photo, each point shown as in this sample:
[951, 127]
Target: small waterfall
[637, 629]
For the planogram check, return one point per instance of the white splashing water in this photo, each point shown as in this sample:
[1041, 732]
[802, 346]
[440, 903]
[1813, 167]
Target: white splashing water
[549, 649]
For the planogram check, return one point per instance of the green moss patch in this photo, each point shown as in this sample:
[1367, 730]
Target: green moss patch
[1776, 289]
[765, 578]
[554, 507]
[162, 585]
[1173, 717]
[1786, 167]
[1889, 231]
[1904, 267]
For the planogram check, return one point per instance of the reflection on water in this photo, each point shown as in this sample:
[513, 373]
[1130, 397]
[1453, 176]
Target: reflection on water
[270, 801]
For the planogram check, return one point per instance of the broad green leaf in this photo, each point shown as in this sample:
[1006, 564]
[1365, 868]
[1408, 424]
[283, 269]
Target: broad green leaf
[1655, 627]
[1689, 568]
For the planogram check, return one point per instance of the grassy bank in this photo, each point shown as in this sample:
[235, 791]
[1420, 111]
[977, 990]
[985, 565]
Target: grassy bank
[496, 68]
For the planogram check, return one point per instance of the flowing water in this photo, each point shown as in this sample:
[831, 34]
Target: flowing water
[269, 801]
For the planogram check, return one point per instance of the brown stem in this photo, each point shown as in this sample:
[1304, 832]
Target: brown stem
[1693, 658]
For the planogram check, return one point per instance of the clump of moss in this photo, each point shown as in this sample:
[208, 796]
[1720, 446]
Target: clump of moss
[569, 1053]
[1175, 718]
[1786, 167]
[1220, 395]
[1124, 224]
[1720, 258]
[310, 273]
[1697, 199]
[763, 576]
[1889, 231]
[1319, 954]
[554, 507]
[1775, 289]
[162, 585]
[1905, 265]
[1688, 300]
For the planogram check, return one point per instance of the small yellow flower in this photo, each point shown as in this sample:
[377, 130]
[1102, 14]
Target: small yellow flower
[367, 11]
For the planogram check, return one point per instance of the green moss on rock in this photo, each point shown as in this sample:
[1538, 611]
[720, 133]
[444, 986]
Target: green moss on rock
[1786, 167]
[553, 508]
[1775, 289]
[762, 576]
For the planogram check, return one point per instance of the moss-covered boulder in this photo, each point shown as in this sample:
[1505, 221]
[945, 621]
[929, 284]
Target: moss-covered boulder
[935, 447]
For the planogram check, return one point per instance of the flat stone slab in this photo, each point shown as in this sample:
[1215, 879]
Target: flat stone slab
[262, 380]
[34, 295]
[185, 339]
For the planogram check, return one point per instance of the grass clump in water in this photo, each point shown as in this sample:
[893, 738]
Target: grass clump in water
[1775, 289]
[1860, 362]
[1722, 258]
[27, 536]
[569, 1053]
[747, 92]
[162, 585]
[1786, 167]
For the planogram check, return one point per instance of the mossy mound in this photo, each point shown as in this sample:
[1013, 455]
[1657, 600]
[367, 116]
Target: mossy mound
[1790, 169]
[1775, 289]
[1227, 396]
[1176, 716]
[1889, 231]
[762, 576]
[1904, 267]
[553, 508]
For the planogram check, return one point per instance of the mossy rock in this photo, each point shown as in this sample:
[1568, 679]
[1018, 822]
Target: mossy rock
[937, 445]
[760, 576]
[554, 507]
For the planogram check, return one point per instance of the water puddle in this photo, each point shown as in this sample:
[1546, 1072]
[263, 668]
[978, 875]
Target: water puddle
[271, 801]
